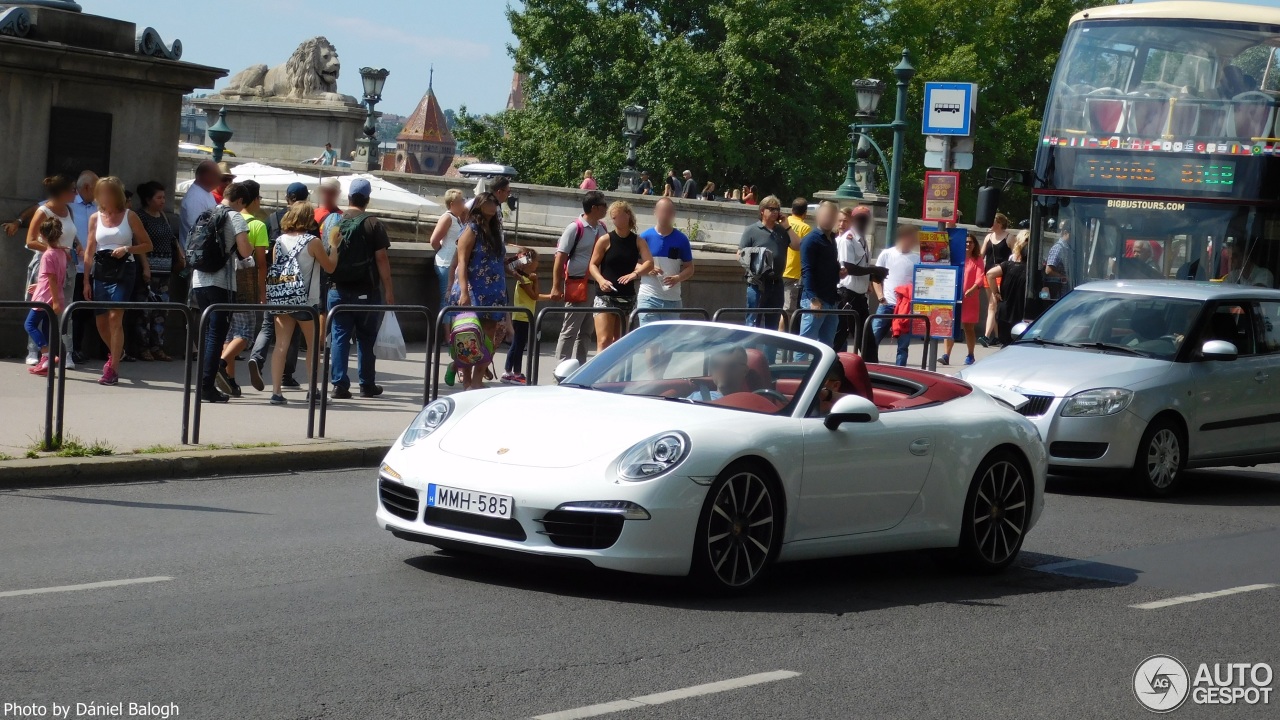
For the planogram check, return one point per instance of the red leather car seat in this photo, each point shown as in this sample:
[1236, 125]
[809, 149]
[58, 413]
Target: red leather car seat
[856, 378]
[758, 375]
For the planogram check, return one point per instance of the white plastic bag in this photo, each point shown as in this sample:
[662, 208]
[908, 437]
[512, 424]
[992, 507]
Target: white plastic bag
[390, 342]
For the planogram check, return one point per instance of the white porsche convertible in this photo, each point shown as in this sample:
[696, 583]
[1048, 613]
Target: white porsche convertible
[717, 450]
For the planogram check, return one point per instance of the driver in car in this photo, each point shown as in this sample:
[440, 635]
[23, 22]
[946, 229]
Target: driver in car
[728, 375]
[829, 393]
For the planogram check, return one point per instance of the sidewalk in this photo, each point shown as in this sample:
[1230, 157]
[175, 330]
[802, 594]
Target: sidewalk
[145, 410]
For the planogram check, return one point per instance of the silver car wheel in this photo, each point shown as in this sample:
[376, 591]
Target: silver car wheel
[1164, 455]
[1000, 512]
[740, 530]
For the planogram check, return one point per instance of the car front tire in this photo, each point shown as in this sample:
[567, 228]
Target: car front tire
[997, 512]
[1161, 457]
[739, 530]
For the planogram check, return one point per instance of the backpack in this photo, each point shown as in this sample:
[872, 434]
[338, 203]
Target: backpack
[205, 251]
[469, 346]
[355, 255]
[285, 284]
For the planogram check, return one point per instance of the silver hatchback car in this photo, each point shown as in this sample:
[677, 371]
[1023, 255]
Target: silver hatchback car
[1149, 376]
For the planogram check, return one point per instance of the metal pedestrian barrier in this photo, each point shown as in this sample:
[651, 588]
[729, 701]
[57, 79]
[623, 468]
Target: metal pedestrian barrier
[205, 316]
[854, 322]
[928, 333]
[743, 311]
[536, 333]
[111, 305]
[636, 313]
[55, 343]
[445, 312]
[340, 309]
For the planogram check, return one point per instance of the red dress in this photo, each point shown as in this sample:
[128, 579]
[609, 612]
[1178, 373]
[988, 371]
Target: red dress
[973, 273]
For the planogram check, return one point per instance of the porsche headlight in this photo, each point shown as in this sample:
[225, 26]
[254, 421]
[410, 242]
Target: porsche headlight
[1097, 403]
[431, 417]
[654, 456]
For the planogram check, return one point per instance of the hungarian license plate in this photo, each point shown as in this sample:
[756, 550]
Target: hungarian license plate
[467, 501]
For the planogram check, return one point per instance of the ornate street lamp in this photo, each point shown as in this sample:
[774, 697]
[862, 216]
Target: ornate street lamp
[220, 134]
[373, 80]
[868, 93]
[634, 118]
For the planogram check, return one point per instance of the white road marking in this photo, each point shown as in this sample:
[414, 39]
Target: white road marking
[86, 586]
[669, 696]
[1157, 604]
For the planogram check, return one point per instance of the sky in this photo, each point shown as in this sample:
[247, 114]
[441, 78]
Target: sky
[472, 68]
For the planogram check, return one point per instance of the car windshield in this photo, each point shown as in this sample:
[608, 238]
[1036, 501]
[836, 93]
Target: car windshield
[1117, 322]
[727, 367]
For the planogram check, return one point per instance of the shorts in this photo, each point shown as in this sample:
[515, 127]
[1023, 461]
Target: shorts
[790, 294]
[244, 325]
[625, 303]
[301, 314]
[119, 291]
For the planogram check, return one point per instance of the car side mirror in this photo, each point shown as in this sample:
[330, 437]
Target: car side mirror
[988, 205]
[1019, 330]
[565, 369]
[851, 409]
[1220, 350]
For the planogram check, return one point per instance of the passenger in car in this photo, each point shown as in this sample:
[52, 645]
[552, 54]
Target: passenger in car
[728, 374]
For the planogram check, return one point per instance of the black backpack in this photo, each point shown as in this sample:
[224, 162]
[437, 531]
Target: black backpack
[355, 255]
[205, 251]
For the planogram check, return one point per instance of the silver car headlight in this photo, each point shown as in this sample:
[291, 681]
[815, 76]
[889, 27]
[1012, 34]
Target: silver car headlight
[431, 417]
[1097, 403]
[654, 456]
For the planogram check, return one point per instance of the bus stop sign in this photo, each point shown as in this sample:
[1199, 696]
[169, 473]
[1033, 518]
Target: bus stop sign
[948, 107]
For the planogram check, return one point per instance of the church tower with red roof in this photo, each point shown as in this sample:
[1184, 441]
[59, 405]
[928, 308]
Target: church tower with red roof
[426, 146]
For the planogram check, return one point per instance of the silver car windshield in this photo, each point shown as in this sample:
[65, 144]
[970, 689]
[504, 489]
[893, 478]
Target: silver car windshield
[734, 368]
[1131, 324]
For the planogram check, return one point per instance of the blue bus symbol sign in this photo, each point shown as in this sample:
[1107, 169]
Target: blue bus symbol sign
[948, 108]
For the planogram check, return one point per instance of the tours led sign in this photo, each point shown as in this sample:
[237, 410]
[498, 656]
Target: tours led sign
[1154, 174]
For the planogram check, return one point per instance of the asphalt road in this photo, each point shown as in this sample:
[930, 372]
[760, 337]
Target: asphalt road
[283, 600]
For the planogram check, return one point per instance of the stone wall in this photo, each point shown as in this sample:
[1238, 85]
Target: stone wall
[287, 131]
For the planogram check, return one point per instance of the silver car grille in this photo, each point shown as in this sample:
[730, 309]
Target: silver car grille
[1037, 405]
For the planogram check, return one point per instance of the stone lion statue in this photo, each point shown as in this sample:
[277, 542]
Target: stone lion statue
[310, 73]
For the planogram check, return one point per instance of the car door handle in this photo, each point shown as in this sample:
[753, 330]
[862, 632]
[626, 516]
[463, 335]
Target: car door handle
[921, 446]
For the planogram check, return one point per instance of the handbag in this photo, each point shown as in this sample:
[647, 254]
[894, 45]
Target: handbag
[575, 288]
[108, 268]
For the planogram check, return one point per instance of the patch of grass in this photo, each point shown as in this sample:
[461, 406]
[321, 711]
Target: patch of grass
[32, 455]
[155, 450]
[249, 446]
[5, 456]
[72, 446]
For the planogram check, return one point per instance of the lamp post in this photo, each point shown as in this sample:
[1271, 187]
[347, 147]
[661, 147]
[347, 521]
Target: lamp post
[634, 117]
[868, 93]
[367, 146]
[219, 134]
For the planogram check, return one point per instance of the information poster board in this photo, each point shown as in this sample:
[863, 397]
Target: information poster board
[941, 196]
[934, 293]
[935, 248]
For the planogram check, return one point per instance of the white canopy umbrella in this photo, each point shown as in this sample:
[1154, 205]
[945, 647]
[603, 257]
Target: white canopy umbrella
[388, 196]
[274, 181]
[270, 179]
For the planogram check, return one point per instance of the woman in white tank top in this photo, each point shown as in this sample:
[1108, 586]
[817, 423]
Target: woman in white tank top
[444, 240]
[115, 236]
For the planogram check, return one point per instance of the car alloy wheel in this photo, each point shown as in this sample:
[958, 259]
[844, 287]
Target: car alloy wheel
[739, 529]
[997, 512]
[1157, 469]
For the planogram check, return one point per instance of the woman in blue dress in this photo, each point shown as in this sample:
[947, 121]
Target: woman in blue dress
[481, 273]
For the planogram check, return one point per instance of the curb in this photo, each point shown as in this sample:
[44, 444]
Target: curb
[194, 464]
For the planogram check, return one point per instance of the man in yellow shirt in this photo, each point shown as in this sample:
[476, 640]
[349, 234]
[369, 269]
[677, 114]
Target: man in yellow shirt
[791, 276]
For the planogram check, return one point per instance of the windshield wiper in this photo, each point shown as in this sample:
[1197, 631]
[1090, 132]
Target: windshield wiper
[578, 385]
[1038, 341]
[1109, 346]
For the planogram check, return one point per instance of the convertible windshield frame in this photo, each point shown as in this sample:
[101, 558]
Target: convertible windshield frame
[672, 361]
[1150, 326]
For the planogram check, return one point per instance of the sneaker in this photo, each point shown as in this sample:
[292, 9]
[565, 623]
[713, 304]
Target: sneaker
[370, 391]
[520, 379]
[145, 356]
[71, 362]
[968, 360]
[290, 383]
[223, 381]
[507, 378]
[944, 359]
[984, 341]
[255, 376]
[341, 393]
[235, 389]
[450, 375]
[41, 367]
[278, 400]
[213, 395]
[33, 357]
[109, 376]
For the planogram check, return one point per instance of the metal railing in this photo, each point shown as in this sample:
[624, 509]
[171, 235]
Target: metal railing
[337, 310]
[445, 312]
[633, 319]
[112, 305]
[854, 322]
[928, 333]
[773, 311]
[205, 316]
[55, 343]
[535, 333]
